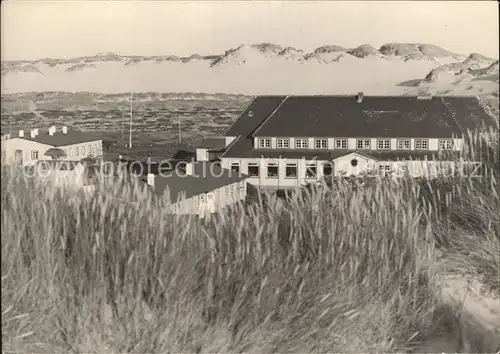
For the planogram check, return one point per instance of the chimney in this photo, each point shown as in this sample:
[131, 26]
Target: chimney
[189, 169]
[65, 129]
[360, 97]
[32, 133]
[151, 179]
[21, 133]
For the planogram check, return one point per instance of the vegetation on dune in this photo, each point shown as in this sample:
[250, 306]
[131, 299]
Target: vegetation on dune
[348, 270]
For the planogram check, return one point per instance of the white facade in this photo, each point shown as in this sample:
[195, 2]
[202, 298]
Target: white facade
[293, 173]
[208, 203]
[21, 151]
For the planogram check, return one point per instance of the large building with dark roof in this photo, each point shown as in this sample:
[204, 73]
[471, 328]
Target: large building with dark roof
[288, 141]
[29, 147]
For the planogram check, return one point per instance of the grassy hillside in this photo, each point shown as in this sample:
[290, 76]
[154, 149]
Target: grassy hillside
[361, 273]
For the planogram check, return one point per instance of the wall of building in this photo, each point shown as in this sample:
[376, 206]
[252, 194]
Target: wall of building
[32, 151]
[82, 150]
[201, 154]
[222, 197]
[341, 167]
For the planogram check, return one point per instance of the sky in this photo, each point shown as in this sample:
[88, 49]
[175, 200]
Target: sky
[63, 28]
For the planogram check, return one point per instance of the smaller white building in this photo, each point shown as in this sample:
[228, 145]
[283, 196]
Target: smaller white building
[199, 188]
[29, 147]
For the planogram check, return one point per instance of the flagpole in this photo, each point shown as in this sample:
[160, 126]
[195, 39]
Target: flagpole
[123, 125]
[180, 132]
[130, 133]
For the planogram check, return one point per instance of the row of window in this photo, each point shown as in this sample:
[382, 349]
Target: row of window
[91, 149]
[361, 144]
[272, 169]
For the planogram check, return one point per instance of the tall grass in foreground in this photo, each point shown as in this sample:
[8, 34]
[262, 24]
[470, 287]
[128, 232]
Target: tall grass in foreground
[357, 274]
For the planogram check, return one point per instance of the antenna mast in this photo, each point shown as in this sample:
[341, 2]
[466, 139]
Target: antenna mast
[130, 133]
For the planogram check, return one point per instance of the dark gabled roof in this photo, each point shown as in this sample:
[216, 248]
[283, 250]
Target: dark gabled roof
[206, 177]
[469, 112]
[254, 115]
[212, 143]
[375, 116]
[60, 139]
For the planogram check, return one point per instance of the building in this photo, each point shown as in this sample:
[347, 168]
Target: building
[28, 148]
[199, 188]
[210, 149]
[288, 141]
[76, 175]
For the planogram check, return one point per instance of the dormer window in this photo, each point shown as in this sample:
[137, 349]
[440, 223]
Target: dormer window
[363, 144]
[421, 144]
[264, 143]
[321, 143]
[403, 144]
[340, 143]
[384, 144]
[283, 143]
[445, 144]
[301, 143]
[250, 113]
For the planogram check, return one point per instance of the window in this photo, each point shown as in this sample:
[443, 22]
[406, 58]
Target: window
[363, 144]
[383, 144]
[265, 143]
[321, 143]
[311, 170]
[253, 169]
[404, 144]
[89, 149]
[340, 143]
[77, 151]
[231, 191]
[250, 113]
[291, 170]
[283, 143]
[70, 153]
[242, 187]
[226, 191]
[421, 144]
[354, 162]
[445, 144]
[235, 166]
[82, 150]
[327, 169]
[301, 143]
[384, 169]
[272, 170]
[34, 154]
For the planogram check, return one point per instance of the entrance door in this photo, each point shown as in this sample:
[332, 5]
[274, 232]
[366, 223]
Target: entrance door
[19, 157]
